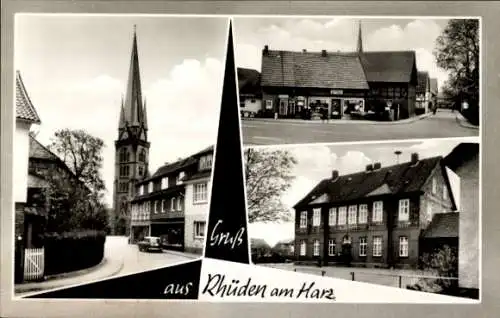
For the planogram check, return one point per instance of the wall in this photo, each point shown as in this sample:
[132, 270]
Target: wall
[468, 267]
[194, 212]
[21, 159]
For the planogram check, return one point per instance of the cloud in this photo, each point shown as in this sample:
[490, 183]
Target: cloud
[352, 161]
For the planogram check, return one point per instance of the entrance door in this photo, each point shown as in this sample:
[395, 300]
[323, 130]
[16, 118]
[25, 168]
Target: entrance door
[283, 107]
[346, 250]
[336, 110]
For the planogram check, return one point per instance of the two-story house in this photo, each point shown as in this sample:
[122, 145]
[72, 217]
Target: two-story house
[374, 217]
[172, 203]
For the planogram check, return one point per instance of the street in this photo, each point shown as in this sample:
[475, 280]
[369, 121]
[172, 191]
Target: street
[117, 248]
[269, 132]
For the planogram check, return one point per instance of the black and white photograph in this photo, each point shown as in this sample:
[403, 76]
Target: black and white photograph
[401, 214]
[116, 118]
[341, 79]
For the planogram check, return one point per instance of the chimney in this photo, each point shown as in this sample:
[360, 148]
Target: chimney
[414, 158]
[335, 174]
[266, 49]
[369, 167]
[304, 51]
[323, 53]
[377, 166]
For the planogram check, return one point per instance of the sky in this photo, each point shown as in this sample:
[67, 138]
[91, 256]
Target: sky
[75, 70]
[316, 162]
[338, 34]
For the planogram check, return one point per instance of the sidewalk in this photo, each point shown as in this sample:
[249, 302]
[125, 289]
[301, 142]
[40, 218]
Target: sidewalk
[106, 268]
[188, 255]
[462, 121]
[342, 121]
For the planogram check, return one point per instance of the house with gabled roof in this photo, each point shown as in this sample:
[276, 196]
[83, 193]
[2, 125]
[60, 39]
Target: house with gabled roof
[338, 85]
[173, 203]
[374, 217]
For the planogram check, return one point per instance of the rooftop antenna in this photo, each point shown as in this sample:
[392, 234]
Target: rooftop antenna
[397, 153]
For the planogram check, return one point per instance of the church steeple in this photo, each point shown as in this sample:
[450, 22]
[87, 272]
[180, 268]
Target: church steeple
[133, 108]
[360, 39]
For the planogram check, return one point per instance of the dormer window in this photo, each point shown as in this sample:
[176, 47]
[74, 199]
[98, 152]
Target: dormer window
[205, 162]
[179, 178]
[164, 183]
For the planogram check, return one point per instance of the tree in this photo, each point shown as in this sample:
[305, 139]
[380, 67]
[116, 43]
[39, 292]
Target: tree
[457, 51]
[268, 175]
[76, 189]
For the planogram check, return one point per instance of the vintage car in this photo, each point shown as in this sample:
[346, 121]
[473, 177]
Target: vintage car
[150, 243]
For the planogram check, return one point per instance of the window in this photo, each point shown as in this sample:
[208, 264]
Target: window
[429, 212]
[363, 213]
[123, 187]
[150, 187]
[141, 190]
[200, 193]
[332, 217]
[377, 246]
[158, 207]
[179, 203]
[269, 104]
[403, 246]
[397, 92]
[179, 178]
[124, 155]
[390, 91]
[142, 156]
[342, 215]
[331, 247]
[205, 162]
[362, 246]
[124, 171]
[316, 248]
[434, 186]
[164, 183]
[164, 205]
[172, 204]
[316, 217]
[199, 229]
[445, 193]
[303, 248]
[353, 210]
[404, 210]
[303, 219]
[141, 171]
[378, 208]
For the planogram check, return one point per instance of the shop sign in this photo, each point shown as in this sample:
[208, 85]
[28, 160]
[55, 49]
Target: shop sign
[336, 92]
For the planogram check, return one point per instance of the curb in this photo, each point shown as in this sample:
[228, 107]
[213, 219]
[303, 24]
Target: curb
[188, 255]
[345, 122]
[34, 287]
[463, 122]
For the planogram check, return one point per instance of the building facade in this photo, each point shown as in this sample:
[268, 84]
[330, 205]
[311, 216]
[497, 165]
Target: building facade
[374, 217]
[249, 92]
[336, 85]
[173, 203]
[131, 147]
[423, 98]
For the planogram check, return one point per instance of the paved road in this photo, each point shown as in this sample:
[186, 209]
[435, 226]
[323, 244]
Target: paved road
[266, 132]
[136, 261]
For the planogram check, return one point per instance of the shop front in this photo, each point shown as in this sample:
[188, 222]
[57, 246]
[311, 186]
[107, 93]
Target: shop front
[139, 230]
[170, 232]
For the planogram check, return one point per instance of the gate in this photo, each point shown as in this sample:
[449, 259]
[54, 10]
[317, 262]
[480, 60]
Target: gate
[34, 263]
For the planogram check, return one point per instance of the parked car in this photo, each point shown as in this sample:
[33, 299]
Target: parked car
[149, 243]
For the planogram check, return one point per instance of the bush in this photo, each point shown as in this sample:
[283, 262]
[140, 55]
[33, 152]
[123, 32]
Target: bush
[72, 251]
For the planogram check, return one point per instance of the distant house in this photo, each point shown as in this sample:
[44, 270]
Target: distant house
[173, 203]
[373, 217]
[338, 84]
[249, 92]
[285, 247]
[464, 161]
[26, 116]
[423, 92]
[434, 92]
[259, 248]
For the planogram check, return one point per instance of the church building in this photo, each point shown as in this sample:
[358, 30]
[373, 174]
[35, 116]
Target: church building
[132, 145]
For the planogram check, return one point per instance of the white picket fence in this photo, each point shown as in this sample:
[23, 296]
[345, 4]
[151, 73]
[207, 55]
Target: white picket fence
[34, 263]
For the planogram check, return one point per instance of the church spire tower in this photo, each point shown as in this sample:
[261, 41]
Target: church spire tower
[132, 145]
[360, 38]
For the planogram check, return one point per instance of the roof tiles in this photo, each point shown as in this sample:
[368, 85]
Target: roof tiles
[24, 107]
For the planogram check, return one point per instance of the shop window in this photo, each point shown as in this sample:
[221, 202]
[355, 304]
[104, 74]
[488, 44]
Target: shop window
[269, 104]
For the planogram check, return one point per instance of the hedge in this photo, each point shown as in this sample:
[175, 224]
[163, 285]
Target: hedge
[72, 251]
